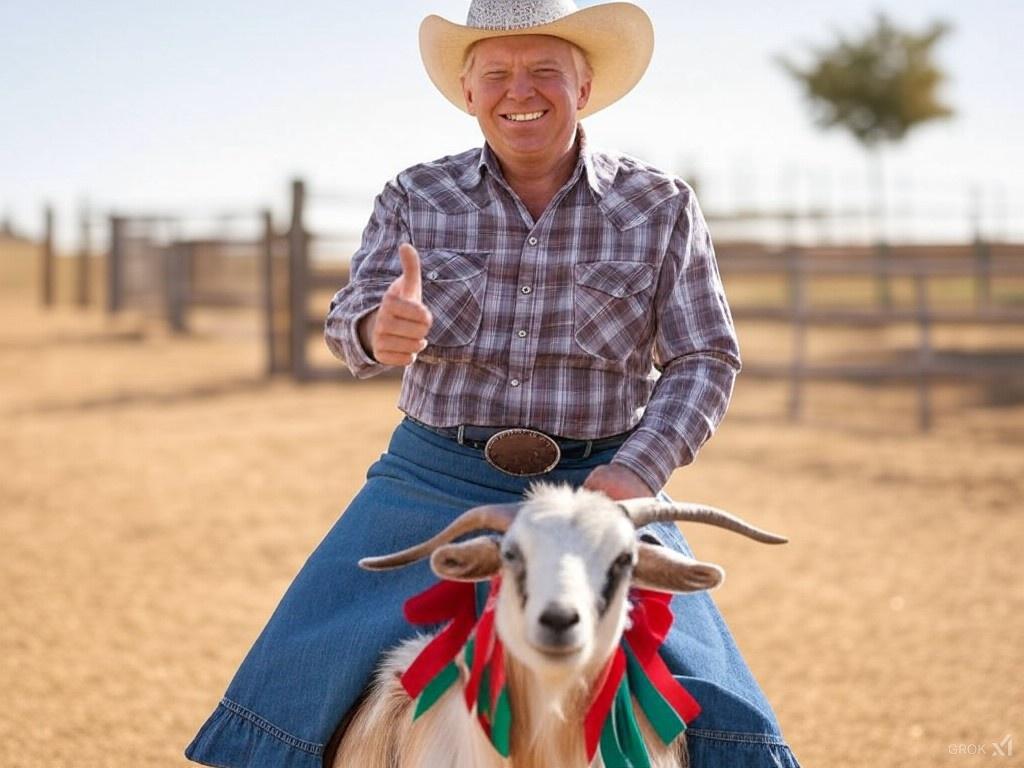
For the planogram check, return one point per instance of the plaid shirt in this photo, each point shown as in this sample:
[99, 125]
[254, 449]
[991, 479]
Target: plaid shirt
[554, 324]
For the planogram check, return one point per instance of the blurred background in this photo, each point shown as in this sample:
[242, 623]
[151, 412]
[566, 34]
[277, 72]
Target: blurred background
[181, 190]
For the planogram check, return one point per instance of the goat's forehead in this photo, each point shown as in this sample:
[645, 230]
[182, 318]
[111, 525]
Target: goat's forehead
[578, 518]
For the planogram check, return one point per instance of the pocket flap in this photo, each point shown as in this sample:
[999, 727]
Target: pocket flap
[616, 278]
[440, 265]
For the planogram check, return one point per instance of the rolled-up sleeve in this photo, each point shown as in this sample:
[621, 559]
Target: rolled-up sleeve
[374, 267]
[696, 346]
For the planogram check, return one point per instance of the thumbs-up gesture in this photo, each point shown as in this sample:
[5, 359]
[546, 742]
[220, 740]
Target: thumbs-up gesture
[397, 330]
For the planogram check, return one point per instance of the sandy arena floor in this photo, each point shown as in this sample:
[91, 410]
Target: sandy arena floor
[157, 497]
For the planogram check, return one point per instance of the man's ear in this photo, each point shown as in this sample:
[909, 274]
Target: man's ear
[583, 94]
[474, 560]
[467, 94]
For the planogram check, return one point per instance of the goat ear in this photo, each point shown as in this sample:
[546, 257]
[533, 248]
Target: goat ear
[474, 560]
[665, 570]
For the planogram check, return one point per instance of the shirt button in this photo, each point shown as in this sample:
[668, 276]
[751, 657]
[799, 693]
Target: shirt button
[526, 289]
[432, 275]
[532, 241]
[521, 334]
[514, 382]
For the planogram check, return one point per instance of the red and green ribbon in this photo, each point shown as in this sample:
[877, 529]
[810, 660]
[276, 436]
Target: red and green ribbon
[434, 671]
[635, 671]
[667, 704]
[486, 688]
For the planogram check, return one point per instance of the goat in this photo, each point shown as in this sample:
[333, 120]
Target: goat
[566, 559]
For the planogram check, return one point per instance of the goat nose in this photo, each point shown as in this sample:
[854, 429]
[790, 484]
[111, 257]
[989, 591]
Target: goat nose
[558, 618]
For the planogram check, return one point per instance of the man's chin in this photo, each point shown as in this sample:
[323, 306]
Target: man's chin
[522, 149]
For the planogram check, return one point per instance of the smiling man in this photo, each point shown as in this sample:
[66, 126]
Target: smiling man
[558, 314]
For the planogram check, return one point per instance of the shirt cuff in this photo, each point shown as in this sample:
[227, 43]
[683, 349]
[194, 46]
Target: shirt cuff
[652, 457]
[342, 337]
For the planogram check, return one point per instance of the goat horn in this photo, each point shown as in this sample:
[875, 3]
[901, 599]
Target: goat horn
[644, 511]
[497, 517]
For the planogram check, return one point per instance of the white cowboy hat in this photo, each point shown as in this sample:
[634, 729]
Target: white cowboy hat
[617, 38]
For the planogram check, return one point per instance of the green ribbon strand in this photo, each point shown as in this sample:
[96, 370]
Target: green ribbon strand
[435, 689]
[622, 744]
[663, 718]
[501, 727]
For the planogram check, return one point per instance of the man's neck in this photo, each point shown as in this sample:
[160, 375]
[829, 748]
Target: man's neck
[537, 183]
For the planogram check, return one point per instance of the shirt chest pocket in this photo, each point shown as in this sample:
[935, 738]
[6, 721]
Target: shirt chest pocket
[454, 283]
[612, 307]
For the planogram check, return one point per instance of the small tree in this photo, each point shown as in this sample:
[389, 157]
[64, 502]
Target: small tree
[878, 87]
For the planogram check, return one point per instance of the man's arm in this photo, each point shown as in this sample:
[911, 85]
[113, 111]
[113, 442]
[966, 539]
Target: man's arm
[696, 344]
[351, 329]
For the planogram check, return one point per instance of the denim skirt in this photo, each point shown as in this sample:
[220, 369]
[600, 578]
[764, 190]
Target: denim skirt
[318, 651]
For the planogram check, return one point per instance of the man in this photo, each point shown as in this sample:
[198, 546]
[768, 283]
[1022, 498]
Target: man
[527, 288]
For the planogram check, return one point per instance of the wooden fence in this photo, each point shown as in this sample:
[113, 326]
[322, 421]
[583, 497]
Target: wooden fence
[982, 263]
[152, 266]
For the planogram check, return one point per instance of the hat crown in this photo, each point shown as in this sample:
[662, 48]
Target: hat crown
[517, 14]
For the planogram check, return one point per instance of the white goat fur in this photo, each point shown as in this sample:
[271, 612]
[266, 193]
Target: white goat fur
[567, 540]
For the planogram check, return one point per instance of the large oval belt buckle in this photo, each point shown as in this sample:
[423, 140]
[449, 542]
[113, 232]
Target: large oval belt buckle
[522, 452]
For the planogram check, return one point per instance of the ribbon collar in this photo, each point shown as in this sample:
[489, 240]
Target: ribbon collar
[634, 671]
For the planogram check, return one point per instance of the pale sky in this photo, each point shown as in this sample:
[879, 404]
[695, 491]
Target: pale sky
[217, 104]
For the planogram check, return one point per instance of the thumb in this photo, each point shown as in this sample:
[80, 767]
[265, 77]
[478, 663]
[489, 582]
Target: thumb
[411, 282]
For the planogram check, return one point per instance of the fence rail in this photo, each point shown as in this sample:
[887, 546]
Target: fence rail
[800, 266]
[150, 264]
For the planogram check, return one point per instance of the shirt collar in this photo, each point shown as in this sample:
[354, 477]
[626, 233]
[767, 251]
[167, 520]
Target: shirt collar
[600, 171]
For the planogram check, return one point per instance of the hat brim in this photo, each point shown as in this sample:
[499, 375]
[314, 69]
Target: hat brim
[617, 38]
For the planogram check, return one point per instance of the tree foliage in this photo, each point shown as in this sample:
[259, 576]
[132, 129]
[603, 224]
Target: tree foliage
[878, 86]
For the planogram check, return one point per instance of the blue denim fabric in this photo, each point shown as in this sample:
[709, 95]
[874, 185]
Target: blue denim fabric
[318, 651]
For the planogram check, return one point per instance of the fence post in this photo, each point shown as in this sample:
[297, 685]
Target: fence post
[176, 282]
[47, 276]
[267, 267]
[798, 316]
[83, 276]
[982, 273]
[297, 279]
[882, 287]
[115, 264]
[924, 351]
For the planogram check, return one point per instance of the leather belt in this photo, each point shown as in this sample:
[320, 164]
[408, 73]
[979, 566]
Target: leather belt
[521, 451]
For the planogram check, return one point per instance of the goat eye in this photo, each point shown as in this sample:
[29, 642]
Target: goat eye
[510, 555]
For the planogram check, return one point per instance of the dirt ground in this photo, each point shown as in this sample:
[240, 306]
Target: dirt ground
[158, 495]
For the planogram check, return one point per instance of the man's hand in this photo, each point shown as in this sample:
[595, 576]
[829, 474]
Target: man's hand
[396, 331]
[617, 481]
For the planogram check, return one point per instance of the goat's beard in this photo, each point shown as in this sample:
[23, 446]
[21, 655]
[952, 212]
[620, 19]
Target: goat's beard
[560, 679]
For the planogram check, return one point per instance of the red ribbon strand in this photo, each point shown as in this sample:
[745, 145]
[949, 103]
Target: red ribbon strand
[451, 601]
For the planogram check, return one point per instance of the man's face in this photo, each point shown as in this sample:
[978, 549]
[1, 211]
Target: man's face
[524, 92]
